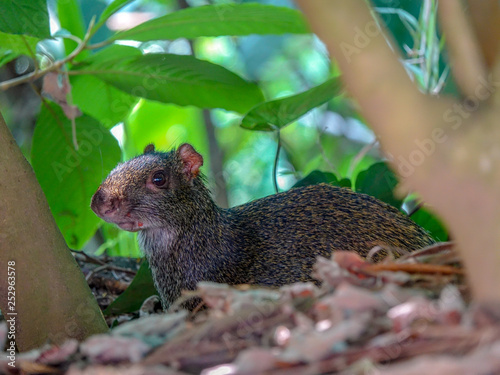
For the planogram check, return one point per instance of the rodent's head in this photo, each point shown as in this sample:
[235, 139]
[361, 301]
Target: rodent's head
[151, 190]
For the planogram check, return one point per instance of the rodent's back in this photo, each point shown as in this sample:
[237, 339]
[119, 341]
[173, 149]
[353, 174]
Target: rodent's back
[289, 230]
[272, 241]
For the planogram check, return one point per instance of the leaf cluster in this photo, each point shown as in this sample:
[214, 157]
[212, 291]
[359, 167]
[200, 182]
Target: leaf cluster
[111, 82]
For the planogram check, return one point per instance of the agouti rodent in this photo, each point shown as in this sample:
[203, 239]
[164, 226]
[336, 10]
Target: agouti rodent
[272, 241]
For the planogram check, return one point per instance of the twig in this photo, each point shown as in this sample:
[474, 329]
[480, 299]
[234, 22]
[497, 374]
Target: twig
[275, 168]
[434, 249]
[55, 66]
[320, 146]
[32, 53]
[91, 259]
[427, 6]
[413, 268]
[104, 43]
[108, 267]
[361, 154]
[70, 103]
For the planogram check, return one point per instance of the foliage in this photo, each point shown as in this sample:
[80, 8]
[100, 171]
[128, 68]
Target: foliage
[131, 300]
[276, 114]
[68, 176]
[223, 63]
[25, 17]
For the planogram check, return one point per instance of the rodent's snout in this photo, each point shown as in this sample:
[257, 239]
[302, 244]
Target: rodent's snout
[113, 210]
[102, 205]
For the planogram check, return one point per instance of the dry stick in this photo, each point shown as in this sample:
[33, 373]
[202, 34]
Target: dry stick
[468, 63]
[102, 264]
[321, 148]
[108, 267]
[429, 250]
[413, 268]
[427, 6]
[361, 154]
[89, 258]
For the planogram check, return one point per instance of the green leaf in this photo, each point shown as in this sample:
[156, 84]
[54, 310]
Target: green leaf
[71, 20]
[431, 223]
[345, 182]
[69, 178]
[166, 125]
[18, 44]
[100, 99]
[379, 181]
[112, 8]
[278, 113]
[217, 20]
[6, 56]
[318, 177]
[25, 17]
[345, 107]
[182, 80]
[114, 51]
[131, 300]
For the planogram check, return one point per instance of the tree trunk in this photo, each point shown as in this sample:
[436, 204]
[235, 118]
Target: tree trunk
[445, 149]
[52, 299]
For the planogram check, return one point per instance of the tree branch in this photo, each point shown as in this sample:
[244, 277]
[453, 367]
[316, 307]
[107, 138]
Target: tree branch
[57, 65]
[485, 16]
[445, 149]
[371, 70]
[467, 61]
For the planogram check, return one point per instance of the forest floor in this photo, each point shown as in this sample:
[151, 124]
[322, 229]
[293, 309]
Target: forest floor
[409, 315]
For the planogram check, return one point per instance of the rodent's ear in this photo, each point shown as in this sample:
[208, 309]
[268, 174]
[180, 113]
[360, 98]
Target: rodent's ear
[191, 160]
[149, 149]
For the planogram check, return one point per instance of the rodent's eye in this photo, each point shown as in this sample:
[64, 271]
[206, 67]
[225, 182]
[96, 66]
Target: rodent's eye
[159, 179]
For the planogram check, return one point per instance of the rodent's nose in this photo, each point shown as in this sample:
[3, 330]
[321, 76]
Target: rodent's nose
[102, 205]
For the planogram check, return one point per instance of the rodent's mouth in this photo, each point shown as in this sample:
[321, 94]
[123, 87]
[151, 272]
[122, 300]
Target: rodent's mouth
[131, 226]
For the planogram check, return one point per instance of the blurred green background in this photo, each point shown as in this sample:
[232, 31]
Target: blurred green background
[238, 162]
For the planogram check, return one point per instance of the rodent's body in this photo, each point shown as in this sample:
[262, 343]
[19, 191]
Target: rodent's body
[272, 241]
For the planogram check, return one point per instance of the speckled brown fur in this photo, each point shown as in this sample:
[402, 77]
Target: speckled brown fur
[271, 241]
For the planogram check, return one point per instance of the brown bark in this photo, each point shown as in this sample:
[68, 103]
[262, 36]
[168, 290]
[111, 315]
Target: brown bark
[52, 300]
[445, 149]
[462, 45]
[486, 11]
